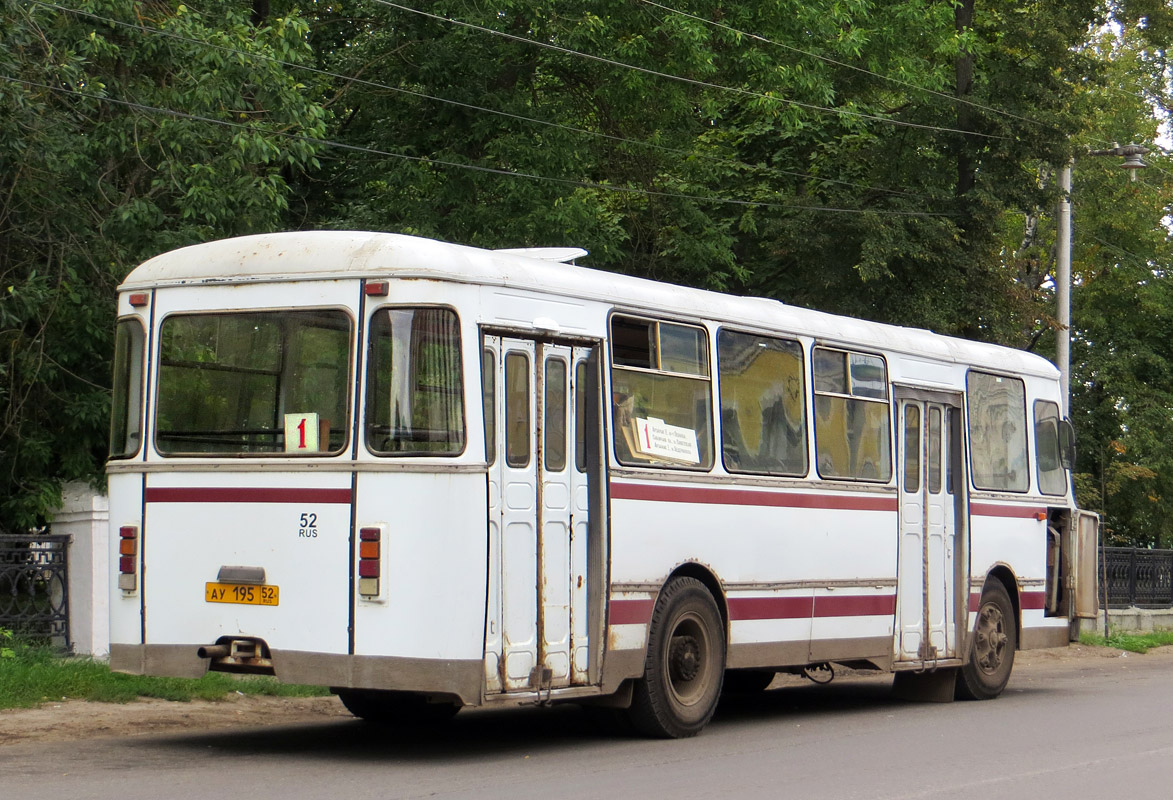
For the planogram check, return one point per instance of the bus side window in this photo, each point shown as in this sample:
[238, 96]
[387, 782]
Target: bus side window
[415, 385]
[517, 422]
[489, 403]
[127, 401]
[1052, 476]
[661, 397]
[580, 415]
[763, 404]
[853, 430]
[997, 432]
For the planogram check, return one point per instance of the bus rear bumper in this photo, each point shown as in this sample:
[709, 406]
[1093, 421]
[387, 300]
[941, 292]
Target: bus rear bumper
[460, 678]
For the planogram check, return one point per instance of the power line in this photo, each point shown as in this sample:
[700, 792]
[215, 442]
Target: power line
[472, 167]
[845, 65]
[422, 95]
[691, 81]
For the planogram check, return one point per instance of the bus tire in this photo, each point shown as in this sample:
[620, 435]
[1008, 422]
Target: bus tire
[685, 663]
[395, 708]
[992, 645]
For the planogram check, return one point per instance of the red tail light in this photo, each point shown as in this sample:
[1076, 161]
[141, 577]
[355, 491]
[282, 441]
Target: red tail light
[370, 562]
[128, 558]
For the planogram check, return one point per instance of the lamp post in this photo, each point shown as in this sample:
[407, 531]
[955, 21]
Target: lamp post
[1132, 155]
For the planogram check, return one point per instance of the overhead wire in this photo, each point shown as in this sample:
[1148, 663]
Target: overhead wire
[472, 167]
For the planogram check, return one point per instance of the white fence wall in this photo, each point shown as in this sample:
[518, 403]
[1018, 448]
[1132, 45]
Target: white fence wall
[85, 516]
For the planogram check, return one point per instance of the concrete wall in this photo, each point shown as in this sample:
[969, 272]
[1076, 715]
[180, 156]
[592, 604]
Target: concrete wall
[1131, 620]
[85, 516]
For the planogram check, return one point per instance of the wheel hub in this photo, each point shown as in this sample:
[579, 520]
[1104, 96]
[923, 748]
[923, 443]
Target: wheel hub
[684, 660]
[991, 639]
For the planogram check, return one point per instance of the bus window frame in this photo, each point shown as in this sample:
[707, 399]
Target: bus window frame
[348, 404]
[807, 432]
[367, 383]
[1062, 468]
[886, 401]
[144, 368]
[707, 378]
[1027, 434]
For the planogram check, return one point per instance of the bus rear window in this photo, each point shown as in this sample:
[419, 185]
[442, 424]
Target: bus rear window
[127, 402]
[415, 393]
[254, 383]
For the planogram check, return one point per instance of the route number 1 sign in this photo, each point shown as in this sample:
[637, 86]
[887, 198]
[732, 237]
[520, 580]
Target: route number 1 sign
[301, 433]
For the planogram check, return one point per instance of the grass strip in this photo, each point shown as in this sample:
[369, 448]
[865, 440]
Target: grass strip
[1131, 641]
[30, 676]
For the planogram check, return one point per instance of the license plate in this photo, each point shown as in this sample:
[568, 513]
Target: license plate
[249, 594]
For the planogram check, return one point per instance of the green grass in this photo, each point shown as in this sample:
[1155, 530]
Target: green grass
[30, 676]
[1132, 642]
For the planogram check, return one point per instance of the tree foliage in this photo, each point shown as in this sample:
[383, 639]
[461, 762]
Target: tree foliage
[97, 175]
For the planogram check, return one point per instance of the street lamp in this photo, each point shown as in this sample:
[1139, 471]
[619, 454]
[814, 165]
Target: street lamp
[1132, 155]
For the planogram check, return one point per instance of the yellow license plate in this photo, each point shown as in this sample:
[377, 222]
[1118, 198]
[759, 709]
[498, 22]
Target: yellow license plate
[249, 594]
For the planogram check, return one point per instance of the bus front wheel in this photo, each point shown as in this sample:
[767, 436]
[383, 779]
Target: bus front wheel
[992, 645]
[685, 662]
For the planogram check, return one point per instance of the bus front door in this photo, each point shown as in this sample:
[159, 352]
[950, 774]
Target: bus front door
[930, 543]
[537, 621]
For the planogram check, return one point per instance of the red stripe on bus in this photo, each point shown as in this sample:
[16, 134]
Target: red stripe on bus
[745, 497]
[238, 495]
[631, 612]
[770, 607]
[1029, 601]
[1017, 512]
[863, 605]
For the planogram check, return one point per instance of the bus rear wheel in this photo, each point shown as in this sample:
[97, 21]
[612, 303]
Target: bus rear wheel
[395, 708]
[685, 663]
[992, 646]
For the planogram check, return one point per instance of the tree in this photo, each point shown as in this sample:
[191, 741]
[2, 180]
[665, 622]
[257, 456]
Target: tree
[126, 129]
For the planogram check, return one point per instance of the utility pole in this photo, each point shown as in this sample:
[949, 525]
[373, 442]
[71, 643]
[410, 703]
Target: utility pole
[1132, 155]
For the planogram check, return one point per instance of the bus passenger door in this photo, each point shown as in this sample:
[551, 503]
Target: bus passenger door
[928, 547]
[536, 628]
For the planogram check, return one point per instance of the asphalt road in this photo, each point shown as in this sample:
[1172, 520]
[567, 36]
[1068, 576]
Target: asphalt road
[1091, 728]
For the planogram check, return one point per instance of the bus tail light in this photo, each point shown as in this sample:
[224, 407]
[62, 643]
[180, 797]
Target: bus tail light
[128, 558]
[370, 561]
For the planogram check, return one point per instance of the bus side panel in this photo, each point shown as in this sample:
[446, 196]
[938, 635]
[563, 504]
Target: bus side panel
[431, 603]
[126, 511]
[1003, 535]
[207, 527]
[788, 571]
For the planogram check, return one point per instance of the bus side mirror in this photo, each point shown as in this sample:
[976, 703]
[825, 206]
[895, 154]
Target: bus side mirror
[1066, 443]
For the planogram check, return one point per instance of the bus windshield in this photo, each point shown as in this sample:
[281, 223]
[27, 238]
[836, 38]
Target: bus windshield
[254, 383]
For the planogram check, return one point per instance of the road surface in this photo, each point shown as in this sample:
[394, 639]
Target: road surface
[1074, 727]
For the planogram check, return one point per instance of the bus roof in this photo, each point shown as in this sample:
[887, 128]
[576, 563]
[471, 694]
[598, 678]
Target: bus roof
[332, 255]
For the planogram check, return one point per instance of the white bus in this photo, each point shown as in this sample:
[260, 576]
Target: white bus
[432, 476]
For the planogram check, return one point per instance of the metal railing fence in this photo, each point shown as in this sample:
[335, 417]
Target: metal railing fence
[34, 587]
[1137, 577]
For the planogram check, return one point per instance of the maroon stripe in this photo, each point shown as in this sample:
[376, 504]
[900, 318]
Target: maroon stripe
[994, 510]
[770, 607]
[864, 605]
[1029, 601]
[631, 612]
[745, 497]
[248, 495]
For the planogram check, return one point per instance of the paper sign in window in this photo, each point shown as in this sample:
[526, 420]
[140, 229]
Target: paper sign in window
[301, 433]
[654, 437]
